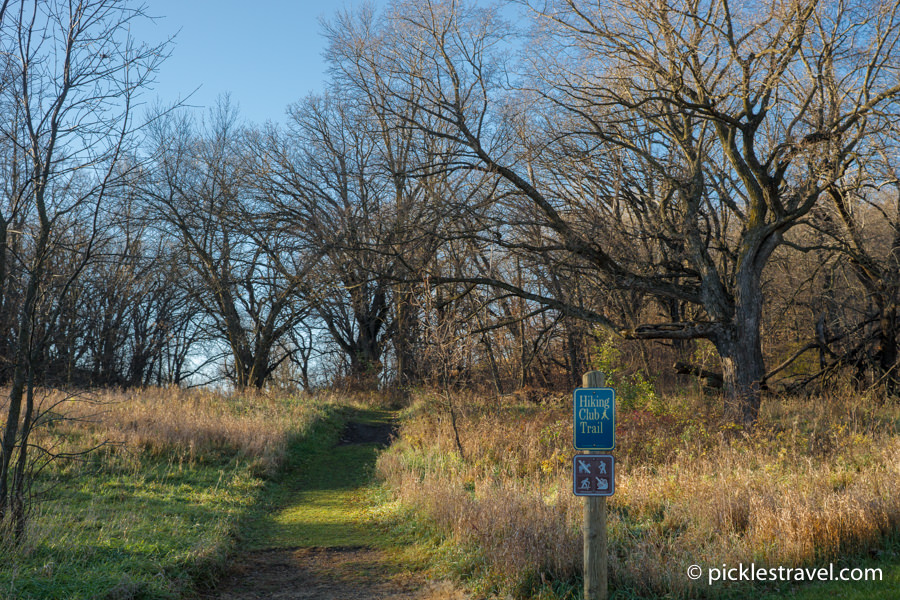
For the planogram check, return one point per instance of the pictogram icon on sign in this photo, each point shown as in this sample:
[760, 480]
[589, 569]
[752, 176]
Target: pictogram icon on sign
[593, 474]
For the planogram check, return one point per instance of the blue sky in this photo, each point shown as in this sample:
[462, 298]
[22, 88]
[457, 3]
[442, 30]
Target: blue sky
[265, 53]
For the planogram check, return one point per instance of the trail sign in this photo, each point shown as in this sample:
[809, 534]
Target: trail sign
[595, 418]
[593, 474]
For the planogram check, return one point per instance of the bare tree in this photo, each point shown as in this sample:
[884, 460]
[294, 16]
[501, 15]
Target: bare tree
[743, 117]
[857, 235]
[200, 190]
[337, 185]
[131, 317]
[70, 76]
[663, 148]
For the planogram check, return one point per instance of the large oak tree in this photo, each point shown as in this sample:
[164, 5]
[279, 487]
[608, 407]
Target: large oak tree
[662, 147]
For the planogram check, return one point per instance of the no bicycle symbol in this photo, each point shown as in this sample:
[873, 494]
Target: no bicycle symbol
[593, 474]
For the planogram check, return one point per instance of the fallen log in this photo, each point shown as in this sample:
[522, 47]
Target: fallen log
[713, 379]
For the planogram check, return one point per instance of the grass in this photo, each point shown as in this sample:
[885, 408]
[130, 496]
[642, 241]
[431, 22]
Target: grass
[152, 533]
[886, 589]
[325, 496]
[154, 514]
[818, 480]
[157, 514]
[326, 500]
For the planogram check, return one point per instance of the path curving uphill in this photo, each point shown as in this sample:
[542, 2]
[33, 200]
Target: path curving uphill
[313, 540]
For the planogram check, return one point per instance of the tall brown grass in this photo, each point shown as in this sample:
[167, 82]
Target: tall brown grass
[817, 479]
[187, 424]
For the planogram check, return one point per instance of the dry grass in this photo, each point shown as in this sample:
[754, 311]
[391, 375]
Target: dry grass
[253, 425]
[150, 502]
[817, 479]
[189, 424]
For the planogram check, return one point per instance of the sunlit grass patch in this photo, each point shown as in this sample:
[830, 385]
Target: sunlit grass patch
[326, 500]
[156, 530]
[153, 510]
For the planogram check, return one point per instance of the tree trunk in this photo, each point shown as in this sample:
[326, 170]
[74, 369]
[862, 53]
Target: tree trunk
[575, 358]
[887, 349]
[18, 501]
[492, 362]
[23, 366]
[742, 372]
[405, 341]
[739, 344]
[365, 366]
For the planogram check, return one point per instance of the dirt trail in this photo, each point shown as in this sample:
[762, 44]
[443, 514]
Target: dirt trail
[308, 571]
[325, 574]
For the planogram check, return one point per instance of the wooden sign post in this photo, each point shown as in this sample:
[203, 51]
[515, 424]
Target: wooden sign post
[595, 542]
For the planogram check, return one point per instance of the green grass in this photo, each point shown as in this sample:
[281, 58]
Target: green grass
[132, 524]
[148, 534]
[886, 589]
[324, 494]
[159, 524]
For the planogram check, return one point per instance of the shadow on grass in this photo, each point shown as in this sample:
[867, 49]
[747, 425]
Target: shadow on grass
[318, 498]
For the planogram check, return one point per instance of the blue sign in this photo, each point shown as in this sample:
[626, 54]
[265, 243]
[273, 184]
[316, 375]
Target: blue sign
[595, 418]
